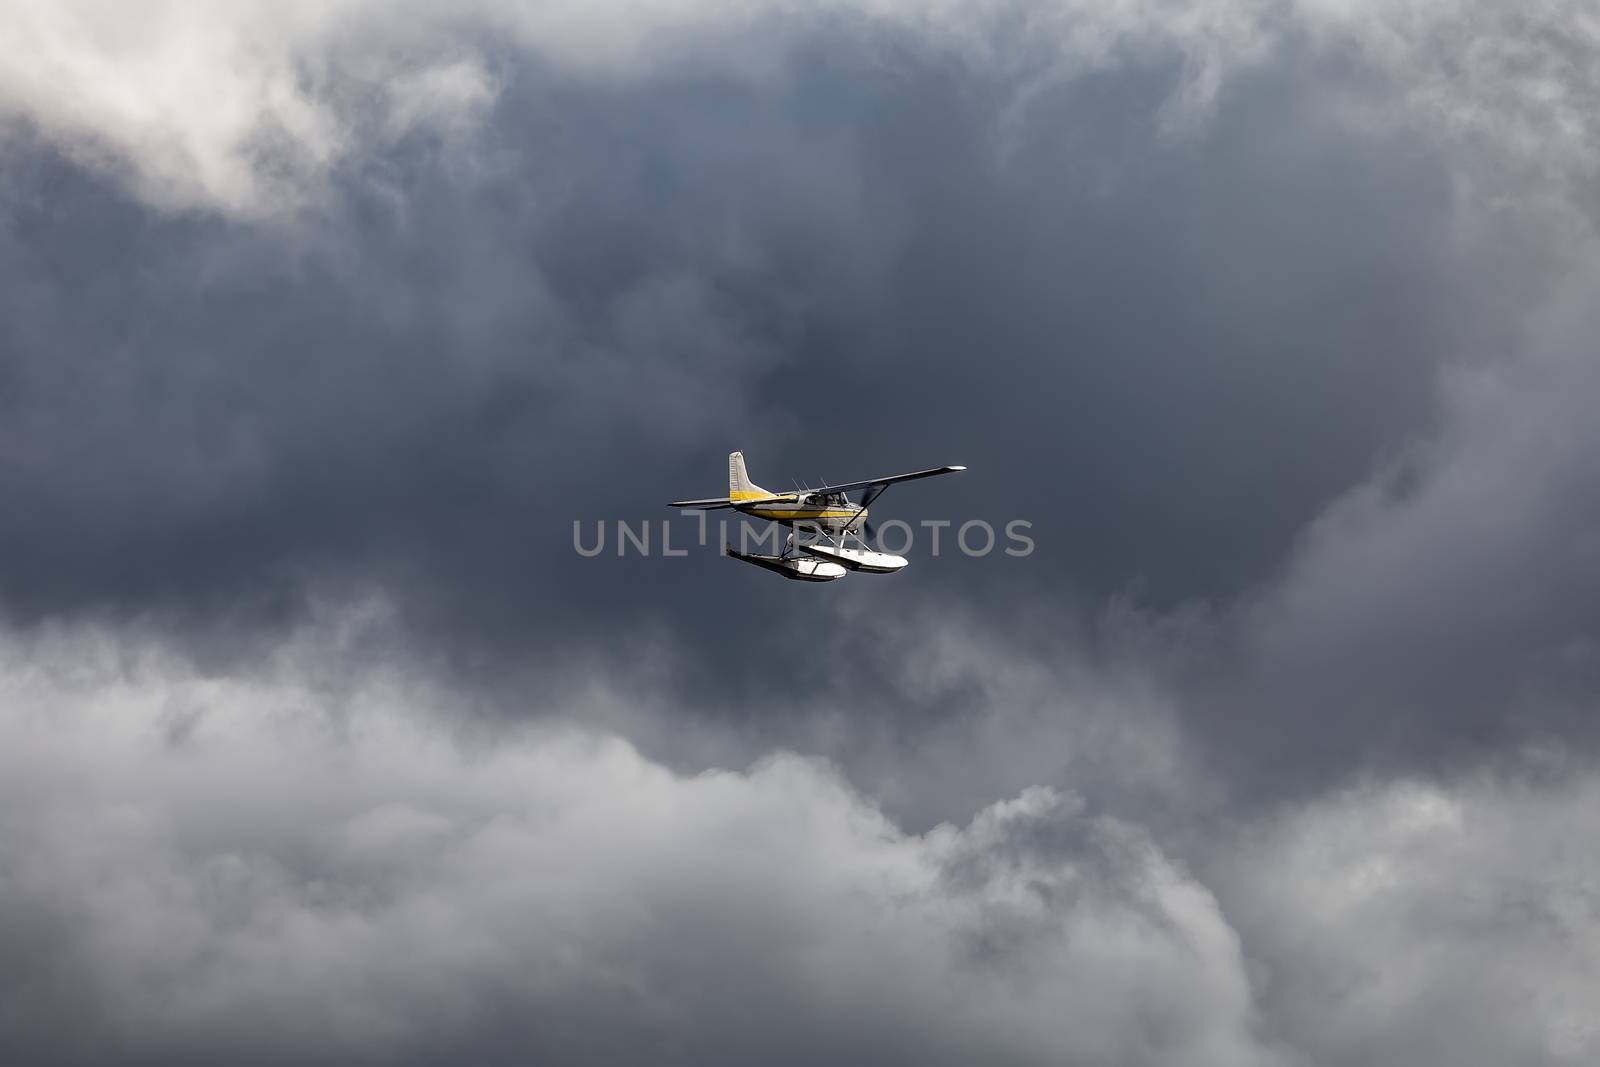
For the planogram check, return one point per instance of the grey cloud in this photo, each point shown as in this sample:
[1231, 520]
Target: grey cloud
[313, 873]
[1425, 922]
[251, 111]
[321, 741]
[1448, 603]
[1169, 350]
[296, 878]
[253, 108]
[659, 273]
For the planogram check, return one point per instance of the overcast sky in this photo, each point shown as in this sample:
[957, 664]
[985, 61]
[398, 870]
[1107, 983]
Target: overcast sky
[322, 323]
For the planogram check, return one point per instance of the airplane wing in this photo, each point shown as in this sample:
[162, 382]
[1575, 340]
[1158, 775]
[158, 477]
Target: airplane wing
[881, 483]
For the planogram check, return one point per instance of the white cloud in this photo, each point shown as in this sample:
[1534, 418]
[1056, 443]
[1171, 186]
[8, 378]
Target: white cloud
[1523, 77]
[245, 107]
[1408, 922]
[307, 863]
[446, 96]
[197, 103]
[304, 872]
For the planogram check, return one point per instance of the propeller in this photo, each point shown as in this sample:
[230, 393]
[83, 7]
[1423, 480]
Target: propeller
[867, 497]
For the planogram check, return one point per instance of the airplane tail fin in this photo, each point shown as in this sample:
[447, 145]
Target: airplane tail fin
[740, 487]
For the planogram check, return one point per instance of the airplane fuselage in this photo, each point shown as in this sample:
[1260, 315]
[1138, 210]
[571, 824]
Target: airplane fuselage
[830, 517]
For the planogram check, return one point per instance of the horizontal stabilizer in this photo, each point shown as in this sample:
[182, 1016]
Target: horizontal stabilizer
[703, 505]
[724, 502]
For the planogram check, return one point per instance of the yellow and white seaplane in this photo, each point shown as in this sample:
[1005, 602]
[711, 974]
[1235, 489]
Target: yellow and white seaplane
[827, 511]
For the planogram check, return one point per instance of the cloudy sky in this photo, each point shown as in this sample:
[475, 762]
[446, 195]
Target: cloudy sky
[321, 323]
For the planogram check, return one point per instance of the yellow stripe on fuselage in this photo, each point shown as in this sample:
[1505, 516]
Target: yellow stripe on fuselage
[796, 513]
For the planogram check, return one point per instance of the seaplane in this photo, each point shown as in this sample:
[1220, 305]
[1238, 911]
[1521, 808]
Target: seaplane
[826, 511]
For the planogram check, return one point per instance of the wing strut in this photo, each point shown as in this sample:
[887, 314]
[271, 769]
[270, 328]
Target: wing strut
[866, 501]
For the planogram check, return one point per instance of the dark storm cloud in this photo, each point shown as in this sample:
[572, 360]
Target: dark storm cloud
[1166, 351]
[1449, 605]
